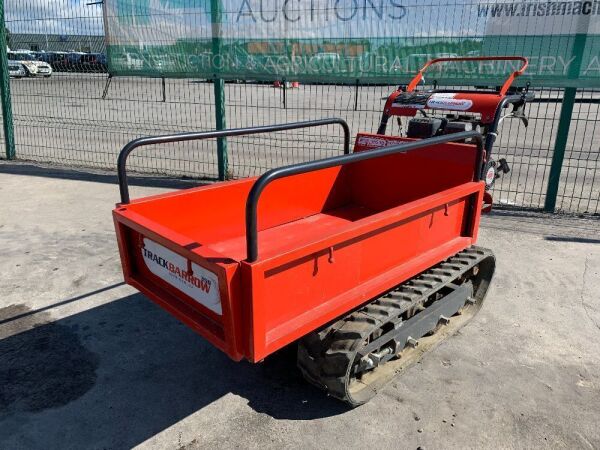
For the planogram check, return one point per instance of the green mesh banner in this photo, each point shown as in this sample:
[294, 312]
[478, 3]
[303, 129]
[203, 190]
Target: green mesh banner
[346, 40]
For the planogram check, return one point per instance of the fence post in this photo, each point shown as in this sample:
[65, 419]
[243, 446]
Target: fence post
[219, 88]
[221, 125]
[284, 91]
[9, 131]
[566, 114]
[560, 145]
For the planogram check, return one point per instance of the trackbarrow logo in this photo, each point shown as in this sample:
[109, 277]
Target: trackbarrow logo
[195, 281]
[373, 142]
[447, 101]
[189, 277]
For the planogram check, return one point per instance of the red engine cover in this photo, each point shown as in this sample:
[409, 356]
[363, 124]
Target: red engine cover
[408, 103]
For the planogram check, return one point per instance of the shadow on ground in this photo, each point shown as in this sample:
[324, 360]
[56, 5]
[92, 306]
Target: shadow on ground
[577, 240]
[129, 370]
[98, 176]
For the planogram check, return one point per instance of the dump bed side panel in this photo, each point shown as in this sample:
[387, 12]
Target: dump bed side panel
[298, 292]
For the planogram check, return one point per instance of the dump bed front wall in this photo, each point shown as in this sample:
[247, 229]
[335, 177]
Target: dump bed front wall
[383, 183]
[293, 295]
[216, 213]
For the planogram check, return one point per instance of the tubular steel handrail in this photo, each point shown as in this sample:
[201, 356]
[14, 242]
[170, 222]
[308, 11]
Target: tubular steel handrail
[415, 81]
[296, 169]
[182, 137]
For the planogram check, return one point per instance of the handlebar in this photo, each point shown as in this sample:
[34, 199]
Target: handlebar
[417, 79]
[296, 169]
[182, 137]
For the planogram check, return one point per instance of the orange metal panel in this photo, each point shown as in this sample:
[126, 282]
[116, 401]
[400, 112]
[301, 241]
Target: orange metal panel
[326, 278]
[222, 330]
[329, 241]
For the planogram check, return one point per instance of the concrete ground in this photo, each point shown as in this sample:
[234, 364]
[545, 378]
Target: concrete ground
[87, 362]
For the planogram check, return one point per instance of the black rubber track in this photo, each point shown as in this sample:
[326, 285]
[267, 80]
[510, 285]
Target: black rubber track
[328, 357]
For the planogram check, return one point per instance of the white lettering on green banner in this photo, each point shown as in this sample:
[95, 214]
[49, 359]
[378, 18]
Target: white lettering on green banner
[377, 40]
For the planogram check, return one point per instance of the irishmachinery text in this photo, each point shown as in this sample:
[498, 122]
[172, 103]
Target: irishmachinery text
[539, 9]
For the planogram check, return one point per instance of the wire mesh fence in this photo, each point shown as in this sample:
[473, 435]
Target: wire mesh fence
[66, 120]
[579, 188]
[78, 115]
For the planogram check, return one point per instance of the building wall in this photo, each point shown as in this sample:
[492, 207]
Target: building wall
[57, 42]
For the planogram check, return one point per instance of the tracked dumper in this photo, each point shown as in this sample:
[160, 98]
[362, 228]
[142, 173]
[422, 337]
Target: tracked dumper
[364, 261]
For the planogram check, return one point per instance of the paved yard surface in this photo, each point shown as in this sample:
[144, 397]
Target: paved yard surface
[86, 362]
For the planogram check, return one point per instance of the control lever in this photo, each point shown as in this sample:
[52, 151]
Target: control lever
[492, 171]
[502, 166]
[519, 113]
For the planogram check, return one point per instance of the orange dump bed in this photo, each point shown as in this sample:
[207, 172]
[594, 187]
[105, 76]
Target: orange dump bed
[327, 240]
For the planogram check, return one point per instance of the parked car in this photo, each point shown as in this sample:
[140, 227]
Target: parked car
[16, 69]
[91, 62]
[32, 66]
[57, 60]
[103, 61]
[37, 55]
[73, 61]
